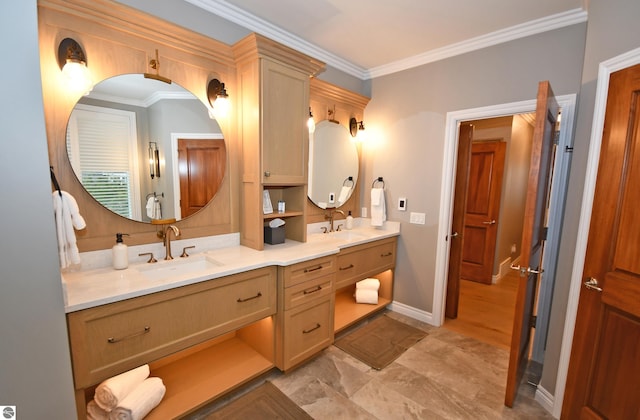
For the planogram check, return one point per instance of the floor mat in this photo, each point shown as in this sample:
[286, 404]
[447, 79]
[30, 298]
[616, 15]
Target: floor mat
[264, 402]
[380, 342]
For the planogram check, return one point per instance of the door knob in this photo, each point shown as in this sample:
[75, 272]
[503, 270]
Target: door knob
[454, 235]
[592, 284]
[490, 222]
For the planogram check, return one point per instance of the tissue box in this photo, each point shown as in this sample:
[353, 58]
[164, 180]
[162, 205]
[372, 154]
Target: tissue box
[274, 236]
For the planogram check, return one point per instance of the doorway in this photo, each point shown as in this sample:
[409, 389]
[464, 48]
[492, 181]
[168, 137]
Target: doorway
[494, 205]
[558, 188]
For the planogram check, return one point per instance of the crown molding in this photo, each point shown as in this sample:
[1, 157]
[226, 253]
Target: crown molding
[256, 24]
[533, 27]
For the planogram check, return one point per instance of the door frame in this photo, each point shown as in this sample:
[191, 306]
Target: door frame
[605, 69]
[567, 104]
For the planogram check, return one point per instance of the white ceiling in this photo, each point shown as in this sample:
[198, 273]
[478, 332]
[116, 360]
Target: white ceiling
[369, 38]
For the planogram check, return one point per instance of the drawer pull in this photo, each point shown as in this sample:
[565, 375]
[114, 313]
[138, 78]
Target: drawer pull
[311, 329]
[240, 300]
[309, 270]
[315, 289]
[126, 337]
[350, 266]
[388, 254]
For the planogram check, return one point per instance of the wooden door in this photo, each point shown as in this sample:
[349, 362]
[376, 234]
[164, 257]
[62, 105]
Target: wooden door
[484, 189]
[201, 165]
[604, 370]
[533, 235]
[457, 226]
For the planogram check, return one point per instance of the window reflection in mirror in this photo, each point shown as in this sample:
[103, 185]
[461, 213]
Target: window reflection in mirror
[108, 138]
[333, 158]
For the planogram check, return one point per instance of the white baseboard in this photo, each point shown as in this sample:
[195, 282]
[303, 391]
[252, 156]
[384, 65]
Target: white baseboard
[412, 312]
[545, 398]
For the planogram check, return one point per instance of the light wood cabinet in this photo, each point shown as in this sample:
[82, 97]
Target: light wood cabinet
[375, 259]
[231, 311]
[272, 115]
[304, 324]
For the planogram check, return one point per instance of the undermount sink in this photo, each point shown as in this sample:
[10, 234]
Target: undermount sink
[348, 235]
[179, 267]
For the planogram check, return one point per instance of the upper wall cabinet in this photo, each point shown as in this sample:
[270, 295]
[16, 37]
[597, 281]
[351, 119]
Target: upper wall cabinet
[272, 116]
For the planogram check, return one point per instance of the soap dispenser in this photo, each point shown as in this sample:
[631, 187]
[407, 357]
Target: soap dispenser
[120, 253]
[349, 221]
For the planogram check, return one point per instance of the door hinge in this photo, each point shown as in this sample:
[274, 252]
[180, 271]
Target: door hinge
[556, 137]
[532, 321]
[544, 233]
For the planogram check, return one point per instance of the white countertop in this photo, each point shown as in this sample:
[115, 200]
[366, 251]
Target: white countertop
[96, 285]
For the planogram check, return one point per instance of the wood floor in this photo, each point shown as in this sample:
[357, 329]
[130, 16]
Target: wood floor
[485, 311]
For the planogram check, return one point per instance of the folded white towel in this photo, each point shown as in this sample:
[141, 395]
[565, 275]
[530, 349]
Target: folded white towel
[367, 296]
[110, 393]
[94, 412]
[67, 218]
[371, 284]
[378, 208]
[140, 401]
[344, 194]
[151, 203]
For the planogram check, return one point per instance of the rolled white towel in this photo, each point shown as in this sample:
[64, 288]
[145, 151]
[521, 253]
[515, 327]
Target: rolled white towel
[111, 392]
[94, 412]
[371, 284]
[140, 401]
[367, 296]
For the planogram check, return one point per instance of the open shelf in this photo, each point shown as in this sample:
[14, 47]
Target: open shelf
[348, 312]
[202, 376]
[285, 214]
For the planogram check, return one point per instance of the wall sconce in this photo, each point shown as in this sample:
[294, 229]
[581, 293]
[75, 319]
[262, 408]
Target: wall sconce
[311, 124]
[154, 160]
[73, 63]
[218, 97]
[355, 126]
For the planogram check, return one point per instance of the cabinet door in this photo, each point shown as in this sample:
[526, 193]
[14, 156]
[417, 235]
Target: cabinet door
[308, 329]
[285, 136]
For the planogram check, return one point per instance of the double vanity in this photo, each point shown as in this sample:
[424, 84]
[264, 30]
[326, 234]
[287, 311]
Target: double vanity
[210, 322]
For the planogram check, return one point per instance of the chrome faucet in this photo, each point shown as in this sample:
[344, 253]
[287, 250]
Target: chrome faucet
[330, 216]
[167, 239]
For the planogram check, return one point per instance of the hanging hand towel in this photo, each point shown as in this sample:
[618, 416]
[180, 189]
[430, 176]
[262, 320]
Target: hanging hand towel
[344, 194]
[67, 218]
[144, 398]
[110, 393]
[151, 205]
[157, 209]
[378, 210]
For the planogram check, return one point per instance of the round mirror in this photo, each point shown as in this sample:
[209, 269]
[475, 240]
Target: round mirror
[333, 165]
[123, 141]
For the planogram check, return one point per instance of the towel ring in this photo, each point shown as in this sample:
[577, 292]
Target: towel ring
[379, 179]
[348, 179]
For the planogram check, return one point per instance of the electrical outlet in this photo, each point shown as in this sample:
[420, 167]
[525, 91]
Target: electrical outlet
[417, 218]
[332, 197]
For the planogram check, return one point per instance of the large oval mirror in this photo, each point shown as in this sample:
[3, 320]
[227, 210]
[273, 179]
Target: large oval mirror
[123, 141]
[333, 165]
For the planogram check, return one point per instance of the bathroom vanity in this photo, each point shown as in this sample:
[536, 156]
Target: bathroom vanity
[209, 328]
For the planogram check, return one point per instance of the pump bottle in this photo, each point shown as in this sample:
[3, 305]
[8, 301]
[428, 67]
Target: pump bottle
[120, 253]
[349, 221]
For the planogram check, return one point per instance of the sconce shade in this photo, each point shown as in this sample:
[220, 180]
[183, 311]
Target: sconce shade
[311, 124]
[154, 160]
[73, 63]
[218, 97]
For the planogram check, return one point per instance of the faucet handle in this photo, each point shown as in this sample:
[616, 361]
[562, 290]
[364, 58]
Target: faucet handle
[339, 228]
[184, 251]
[151, 258]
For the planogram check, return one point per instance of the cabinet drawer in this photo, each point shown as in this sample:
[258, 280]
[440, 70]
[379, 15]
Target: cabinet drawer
[304, 271]
[308, 330]
[369, 259]
[109, 339]
[308, 291]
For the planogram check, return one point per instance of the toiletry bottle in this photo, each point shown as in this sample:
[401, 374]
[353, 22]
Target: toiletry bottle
[349, 221]
[120, 253]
